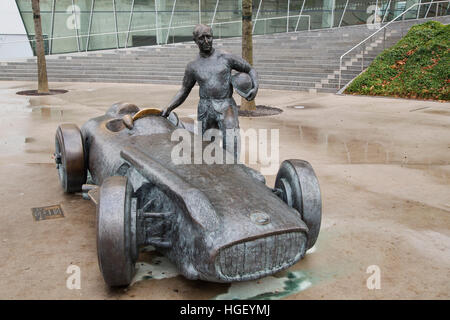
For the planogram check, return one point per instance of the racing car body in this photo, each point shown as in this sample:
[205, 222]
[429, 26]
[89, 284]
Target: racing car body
[216, 222]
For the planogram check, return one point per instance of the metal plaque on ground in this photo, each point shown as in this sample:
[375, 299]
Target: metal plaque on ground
[46, 213]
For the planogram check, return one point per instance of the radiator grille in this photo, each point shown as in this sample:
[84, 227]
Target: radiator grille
[260, 257]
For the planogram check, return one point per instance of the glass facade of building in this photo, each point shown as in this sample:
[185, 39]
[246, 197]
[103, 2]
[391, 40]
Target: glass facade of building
[86, 25]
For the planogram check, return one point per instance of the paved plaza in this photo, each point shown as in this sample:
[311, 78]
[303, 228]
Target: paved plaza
[382, 163]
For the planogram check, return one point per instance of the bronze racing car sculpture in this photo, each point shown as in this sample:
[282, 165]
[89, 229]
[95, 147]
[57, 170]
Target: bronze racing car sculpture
[217, 222]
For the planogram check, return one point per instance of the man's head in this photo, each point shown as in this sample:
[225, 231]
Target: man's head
[203, 37]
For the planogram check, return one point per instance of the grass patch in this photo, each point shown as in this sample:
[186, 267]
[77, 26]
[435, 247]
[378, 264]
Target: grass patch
[417, 67]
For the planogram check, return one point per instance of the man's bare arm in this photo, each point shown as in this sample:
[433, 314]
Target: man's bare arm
[180, 97]
[239, 64]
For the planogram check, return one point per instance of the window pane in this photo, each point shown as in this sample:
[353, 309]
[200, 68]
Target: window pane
[103, 21]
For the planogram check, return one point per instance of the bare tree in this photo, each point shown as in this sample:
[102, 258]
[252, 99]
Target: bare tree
[247, 44]
[40, 51]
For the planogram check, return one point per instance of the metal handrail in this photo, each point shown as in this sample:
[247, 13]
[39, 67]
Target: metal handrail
[382, 28]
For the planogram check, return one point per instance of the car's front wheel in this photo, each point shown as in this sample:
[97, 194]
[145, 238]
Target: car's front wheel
[297, 185]
[116, 237]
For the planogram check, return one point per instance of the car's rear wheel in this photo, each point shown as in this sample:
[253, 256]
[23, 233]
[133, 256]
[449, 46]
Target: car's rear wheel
[116, 240]
[70, 157]
[298, 186]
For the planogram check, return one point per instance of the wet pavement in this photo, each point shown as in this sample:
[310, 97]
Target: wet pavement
[383, 167]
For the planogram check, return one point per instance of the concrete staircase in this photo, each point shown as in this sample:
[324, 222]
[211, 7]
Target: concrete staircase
[307, 61]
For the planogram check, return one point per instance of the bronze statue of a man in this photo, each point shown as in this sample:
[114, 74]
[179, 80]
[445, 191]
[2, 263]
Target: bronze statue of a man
[212, 71]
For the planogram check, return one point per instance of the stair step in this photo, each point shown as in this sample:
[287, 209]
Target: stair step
[306, 61]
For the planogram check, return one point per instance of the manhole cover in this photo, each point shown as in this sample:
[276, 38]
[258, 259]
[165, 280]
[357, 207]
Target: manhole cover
[260, 111]
[46, 213]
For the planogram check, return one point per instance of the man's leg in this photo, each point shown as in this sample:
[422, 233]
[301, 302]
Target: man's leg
[202, 115]
[229, 126]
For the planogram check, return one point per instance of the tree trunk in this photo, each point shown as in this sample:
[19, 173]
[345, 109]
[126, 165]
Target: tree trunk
[247, 45]
[40, 51]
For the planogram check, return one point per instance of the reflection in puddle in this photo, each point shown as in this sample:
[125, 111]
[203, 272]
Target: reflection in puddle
[352, 150]
[40, 101]
[268, 288]
[7, 109]
[439, 112]
[48, 113]
[14, 141]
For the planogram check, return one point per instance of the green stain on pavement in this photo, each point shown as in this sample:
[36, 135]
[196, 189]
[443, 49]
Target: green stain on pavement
[268, 288]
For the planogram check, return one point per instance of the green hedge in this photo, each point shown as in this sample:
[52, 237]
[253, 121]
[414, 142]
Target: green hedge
[418, 66]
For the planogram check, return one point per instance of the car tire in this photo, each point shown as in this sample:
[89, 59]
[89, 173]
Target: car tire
[116, 242]
[297, 185]
[70, 157]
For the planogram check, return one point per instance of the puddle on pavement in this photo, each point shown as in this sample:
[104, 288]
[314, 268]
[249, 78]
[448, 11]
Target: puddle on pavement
[8, 109]
[352, 150]
[40, 101]
[18, 104]
[16, 141]
[438, 112]
[268, 288]
[30, 140]
[347, 146]
[43, 107]
[48, 113]
[271, 287]
[41, 111]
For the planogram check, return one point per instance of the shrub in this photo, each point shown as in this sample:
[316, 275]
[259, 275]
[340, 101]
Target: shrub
[418, 66]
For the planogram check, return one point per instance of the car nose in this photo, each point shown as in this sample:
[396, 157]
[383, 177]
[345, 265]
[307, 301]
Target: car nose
[257, 257]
